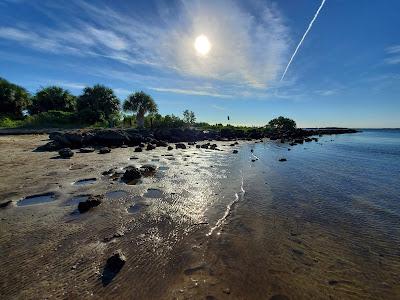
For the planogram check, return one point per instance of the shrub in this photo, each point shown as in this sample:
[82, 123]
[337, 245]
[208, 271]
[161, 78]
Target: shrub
[97, 104]
[52, 118]
[282, 123]
[52, 98]
[13, 99]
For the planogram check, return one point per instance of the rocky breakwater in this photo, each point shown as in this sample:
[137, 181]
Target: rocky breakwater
[299, 136]
[78, 139]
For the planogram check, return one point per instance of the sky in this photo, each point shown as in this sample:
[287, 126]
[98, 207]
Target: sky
[345, 72]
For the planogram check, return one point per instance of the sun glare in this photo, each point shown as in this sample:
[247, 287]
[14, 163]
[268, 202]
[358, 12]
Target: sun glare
[202, 45]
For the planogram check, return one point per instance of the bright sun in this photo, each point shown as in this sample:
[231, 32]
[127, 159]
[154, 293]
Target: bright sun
[202, 45]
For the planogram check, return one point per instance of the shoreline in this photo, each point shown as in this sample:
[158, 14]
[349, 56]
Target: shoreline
[269, 244]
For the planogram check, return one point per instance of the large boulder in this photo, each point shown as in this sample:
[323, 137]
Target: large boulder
[111, 137]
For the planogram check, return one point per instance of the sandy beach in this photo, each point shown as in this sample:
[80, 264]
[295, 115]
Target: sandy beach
[205, 225]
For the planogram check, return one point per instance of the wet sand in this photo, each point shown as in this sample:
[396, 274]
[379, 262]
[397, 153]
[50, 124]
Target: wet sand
[205, 226]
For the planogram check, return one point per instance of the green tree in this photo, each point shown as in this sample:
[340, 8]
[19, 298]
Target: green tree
[13, 99]
[189, 117]
[140, 103]
[52, 98]
[97, 104]
[282, 123]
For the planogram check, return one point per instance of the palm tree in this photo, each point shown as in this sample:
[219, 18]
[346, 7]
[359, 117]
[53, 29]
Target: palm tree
[140, 103]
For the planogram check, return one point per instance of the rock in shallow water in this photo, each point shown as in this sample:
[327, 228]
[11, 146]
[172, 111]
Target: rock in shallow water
[282, 159]
[91, 202]
[131, 173]
[113, 265]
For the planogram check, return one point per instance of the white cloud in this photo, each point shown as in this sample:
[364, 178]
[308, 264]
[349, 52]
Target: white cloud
[394, 53]
[248, 51]
[190, 92]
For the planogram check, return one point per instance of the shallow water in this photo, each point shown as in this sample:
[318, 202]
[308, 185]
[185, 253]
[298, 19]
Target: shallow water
[326, 217]
[37, 199]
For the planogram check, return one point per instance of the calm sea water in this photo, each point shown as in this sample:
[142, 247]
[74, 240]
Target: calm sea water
[327, 217]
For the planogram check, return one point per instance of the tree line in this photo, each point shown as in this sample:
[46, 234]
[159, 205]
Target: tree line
[96, 105]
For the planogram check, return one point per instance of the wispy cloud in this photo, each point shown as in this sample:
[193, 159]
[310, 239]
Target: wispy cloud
[302, 39]
[217, 107]
[394, 55]
[189, 92]
[247, 50]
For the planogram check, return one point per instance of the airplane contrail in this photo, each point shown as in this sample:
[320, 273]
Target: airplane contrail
[302, 39]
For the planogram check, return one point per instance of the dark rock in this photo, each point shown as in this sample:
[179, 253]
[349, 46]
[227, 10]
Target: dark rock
[192, 143]
[150, 147]
[113, 265]
[50, 146]
[141, 145]
[91, 202]
[110, 137]
[108, 172]
[131, 173]
[104, 150]
[235, 151]
[180, 146]
[66, 153]
[5, 204]
[138, 149]
[251, 150]
[253, 160]
[213, 146]
[148, 169]
[198, 146]
[282, 159]
[161, 144]
[86, 150]
[170, 148]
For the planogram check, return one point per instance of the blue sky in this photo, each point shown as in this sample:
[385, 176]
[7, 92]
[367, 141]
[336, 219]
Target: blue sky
[345, 73]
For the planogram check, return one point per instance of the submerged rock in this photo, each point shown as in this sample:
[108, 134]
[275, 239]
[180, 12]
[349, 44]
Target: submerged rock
[104, 150]
[66, 153]
[235, 151]
[91, 202]
[131, 173]
[282, 159]
[113, 265]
